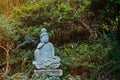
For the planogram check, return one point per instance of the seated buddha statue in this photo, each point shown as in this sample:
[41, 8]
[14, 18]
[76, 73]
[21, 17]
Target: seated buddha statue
[44, 53]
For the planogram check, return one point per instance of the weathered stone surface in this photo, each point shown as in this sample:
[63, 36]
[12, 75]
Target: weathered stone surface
[44, 54]
[51, 72]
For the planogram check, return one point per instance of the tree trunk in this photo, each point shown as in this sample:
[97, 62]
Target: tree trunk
[7, 70]
[8, 8]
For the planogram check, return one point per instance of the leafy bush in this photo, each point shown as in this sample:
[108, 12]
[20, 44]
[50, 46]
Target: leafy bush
[7, 43]
[84, 58]
[59, 17]
[69, 24]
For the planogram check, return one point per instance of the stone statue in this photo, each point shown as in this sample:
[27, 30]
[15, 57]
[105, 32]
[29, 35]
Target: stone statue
[44, 54]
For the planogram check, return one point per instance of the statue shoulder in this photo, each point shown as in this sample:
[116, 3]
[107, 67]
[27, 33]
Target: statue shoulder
[49, 43]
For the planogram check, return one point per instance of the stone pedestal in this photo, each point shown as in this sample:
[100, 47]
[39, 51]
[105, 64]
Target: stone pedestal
[51, 72]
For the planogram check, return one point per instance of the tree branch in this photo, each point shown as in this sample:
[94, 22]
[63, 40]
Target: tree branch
[3, 47]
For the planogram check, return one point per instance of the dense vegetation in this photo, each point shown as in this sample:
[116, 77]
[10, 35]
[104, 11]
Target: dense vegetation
[85, 34]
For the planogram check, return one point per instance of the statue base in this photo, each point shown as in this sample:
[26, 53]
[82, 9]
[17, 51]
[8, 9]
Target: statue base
[51, 72]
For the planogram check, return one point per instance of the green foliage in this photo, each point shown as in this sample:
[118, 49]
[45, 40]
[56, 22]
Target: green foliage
[24, 58]
[114, 1]
[44, 77]
[112, 67]
[88, 56]
[70, 26]
[17, 76]
[60, 17]
[107, 14]
[7, 35]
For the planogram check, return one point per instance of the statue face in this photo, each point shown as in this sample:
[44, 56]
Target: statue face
[44, 38]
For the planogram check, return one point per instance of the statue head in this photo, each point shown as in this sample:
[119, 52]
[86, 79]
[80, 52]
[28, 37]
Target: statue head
[44, 35]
